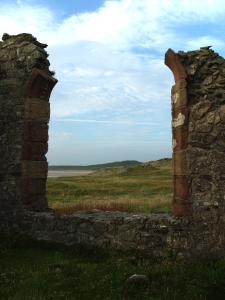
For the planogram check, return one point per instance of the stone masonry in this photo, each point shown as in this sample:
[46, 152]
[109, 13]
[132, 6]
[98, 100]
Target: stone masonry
[195, 226]
[198, 111]
[25, 87]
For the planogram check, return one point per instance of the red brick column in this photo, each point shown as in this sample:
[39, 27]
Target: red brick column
[35, 143]
[181, 205]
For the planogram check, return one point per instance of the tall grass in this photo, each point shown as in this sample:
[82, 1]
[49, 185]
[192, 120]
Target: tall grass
[136, 189]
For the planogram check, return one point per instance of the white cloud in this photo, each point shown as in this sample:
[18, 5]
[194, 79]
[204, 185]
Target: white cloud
[102, 59]
[110, 62]
[120, 24]
[102, 44]
[131, 23]
[205, 41]
[17, 18]
[130, 84]
[122, 122]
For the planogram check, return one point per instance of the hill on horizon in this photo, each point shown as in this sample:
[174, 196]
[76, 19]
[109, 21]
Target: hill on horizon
[126, 164]
[142, 168]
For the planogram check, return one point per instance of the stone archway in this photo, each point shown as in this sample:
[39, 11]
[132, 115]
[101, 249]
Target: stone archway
[198, 125]
[198, 112]
[25, 87]
[179, 102]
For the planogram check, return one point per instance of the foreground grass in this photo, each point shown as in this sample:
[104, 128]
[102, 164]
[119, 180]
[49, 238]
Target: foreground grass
[37, 273]
[136, 189]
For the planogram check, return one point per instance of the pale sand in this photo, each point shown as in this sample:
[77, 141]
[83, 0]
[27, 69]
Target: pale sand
[67, 173]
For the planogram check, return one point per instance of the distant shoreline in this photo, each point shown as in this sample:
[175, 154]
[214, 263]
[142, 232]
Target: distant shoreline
[125, 163]
[68, 173]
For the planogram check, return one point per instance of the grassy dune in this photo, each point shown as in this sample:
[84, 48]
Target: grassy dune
[144, 188]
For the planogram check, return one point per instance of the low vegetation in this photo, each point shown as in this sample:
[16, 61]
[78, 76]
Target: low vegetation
[35, 272]
[143, 188]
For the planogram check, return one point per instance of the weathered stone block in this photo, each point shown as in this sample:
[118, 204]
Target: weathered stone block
[35, 202]
[199, 110]
[34, 169]
[218, 192]
[14, 169]
[32, 186]
[181, 187]
[220, 140]
[36, 131]
[201, 184]
[179, 163]
[218, 162]
[40, 85]
[181, 208]
[34, 151]
[202, 200]
[37, 110]
[179, 98]
[173, 62]
[222, 113]
[180, 137]
[205, 125]
[201, 140]
[180, 117]
[180, 84]
[199, 161]
[11, 87]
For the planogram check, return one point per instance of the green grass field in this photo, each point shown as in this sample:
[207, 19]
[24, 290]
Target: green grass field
[142, 188]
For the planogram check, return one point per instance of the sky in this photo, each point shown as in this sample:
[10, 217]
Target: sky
[112, 100]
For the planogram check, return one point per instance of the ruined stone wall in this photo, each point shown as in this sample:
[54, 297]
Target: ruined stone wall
[25, 87]
[96, 229]
[198, 109]
[206, 129]
[195, 227]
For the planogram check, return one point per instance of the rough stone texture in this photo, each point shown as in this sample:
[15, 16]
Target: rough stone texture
[155, 234]
[159, 235]
[195, 229]
[205, 156]
[25, 87]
